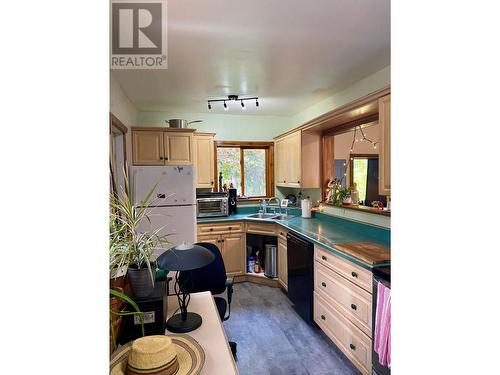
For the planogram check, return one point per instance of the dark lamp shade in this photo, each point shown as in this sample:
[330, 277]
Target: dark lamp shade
[185, 257]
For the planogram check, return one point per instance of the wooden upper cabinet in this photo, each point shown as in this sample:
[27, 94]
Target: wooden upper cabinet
[294, 170]
[147, 147]
[162, 147]
[384, 120]
[178, 148]
[280, 162]
[297, 160]
[204, 160]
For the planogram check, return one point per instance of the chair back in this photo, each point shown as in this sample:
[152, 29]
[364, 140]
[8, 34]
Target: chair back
[211, 278]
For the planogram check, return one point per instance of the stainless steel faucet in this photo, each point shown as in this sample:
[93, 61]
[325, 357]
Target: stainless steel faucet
[274, 207]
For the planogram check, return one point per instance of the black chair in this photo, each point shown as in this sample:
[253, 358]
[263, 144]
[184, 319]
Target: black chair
[211, 278]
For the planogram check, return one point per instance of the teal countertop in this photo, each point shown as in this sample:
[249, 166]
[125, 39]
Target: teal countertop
[324, 230]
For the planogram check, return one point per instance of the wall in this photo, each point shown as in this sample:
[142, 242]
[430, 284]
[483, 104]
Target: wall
[363, 87]
[121, 106]
[227, 127]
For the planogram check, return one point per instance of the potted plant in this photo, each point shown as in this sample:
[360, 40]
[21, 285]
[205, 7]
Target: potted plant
[116, 301]
[131, 249]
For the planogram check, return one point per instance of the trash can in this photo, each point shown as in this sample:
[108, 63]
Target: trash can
[270, 267]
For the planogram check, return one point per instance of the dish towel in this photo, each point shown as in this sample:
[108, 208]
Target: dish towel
[382, 343]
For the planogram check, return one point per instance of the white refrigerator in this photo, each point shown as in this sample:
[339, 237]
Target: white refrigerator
[173, 205]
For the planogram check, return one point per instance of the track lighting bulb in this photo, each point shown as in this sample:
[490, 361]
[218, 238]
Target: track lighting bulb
[243, 105]
[225, 106]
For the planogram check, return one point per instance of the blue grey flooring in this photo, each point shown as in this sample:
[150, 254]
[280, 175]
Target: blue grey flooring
[274, 340]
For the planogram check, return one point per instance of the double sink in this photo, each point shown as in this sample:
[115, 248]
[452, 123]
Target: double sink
[271, 216]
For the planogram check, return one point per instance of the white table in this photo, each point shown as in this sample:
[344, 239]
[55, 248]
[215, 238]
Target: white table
[210, 335]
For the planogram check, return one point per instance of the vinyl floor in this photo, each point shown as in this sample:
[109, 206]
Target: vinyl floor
[273, 339]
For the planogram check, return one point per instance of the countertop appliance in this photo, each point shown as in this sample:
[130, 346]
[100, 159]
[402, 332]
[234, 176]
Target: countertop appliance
[212, 204]
[300, 254]
[233, 201]
[173, 206]
[380, 275]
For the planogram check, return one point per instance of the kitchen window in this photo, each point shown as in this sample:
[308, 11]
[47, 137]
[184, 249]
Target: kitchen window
[247, 166]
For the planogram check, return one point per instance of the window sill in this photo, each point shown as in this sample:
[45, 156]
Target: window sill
[367, 209]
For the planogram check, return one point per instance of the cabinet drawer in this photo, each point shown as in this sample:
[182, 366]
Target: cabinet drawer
[350, 340]
[354, 302]
[219, 228]
[261, 228]
[349, 270]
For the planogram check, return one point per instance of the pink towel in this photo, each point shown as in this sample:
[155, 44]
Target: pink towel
[382, 343]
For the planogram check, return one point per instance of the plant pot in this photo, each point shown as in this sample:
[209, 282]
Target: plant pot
[140, 281]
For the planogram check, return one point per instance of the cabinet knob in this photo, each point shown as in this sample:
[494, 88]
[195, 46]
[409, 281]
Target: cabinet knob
[222, 240]
[354, 274]
[211, 182]
[353, 306]
[298, 182]
[323, 257]
[230, 228]
[166, 158]
[211, 229]
[323, 317]
[323, 284]
[161, 157]
[352, 346]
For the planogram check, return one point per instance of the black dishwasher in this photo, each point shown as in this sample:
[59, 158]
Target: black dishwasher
[300, 254]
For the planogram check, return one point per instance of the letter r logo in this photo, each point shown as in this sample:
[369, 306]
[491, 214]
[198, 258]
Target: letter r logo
[136, 28]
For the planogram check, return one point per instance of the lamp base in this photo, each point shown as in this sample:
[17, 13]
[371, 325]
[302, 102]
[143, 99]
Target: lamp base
[177, 325]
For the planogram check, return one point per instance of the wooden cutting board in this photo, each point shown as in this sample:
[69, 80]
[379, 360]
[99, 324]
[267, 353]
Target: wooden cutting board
[368, 252]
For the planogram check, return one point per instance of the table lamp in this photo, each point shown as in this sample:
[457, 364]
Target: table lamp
[184, 257]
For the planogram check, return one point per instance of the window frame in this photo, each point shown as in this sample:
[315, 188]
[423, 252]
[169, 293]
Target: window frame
[242, 145]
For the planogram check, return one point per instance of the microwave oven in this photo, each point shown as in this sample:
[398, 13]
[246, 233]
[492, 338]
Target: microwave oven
[212, 205]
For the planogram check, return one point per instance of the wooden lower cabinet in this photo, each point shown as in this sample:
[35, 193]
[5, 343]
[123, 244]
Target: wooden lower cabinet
[343, 306]
[233, 253]
[282, 264]
[232, 248]
[349, 339]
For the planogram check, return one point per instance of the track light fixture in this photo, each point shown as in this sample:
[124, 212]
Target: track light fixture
[233, 98]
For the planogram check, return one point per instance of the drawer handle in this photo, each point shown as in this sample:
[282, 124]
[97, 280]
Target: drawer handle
[323, 257]
[323, 284]
[353, 306]
[323, 317]
[354, 274]
[352, 346]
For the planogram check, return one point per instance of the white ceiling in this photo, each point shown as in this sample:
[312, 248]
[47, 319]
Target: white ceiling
[290, 53]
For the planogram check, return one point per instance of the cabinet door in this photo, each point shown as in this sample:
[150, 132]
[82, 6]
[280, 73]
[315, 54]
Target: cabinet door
[281, 163]
[384, 169]
[178, 148]
[293, 174]
[213, 239]
[204, 160]
[233, 248]
[282, 264]
[147, 148]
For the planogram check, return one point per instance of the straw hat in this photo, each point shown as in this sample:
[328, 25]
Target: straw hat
[158, 355]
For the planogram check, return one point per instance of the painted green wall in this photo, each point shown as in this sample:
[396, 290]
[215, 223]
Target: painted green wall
[226, 126]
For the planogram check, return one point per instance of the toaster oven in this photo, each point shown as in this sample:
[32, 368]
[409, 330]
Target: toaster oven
[212, 205]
